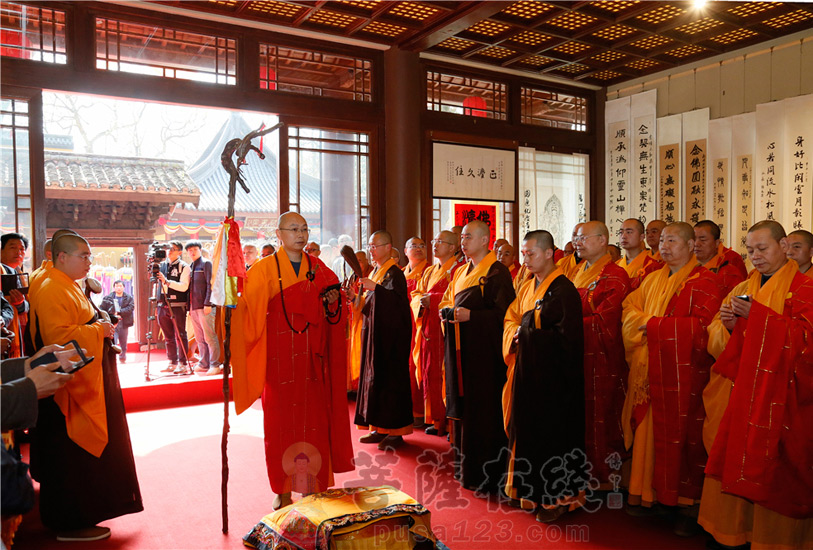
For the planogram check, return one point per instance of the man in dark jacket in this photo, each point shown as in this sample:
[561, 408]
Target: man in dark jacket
[201, 311]
[120, 304]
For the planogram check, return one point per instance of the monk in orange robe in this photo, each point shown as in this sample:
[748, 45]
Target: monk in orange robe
[800, 249]
[759, 485]
[427, 347]
[507, 256]
[415, 250]
[712, 255]
[664, 332]
[80, 451]
[542, 347]
[354, 332]
[570, 262]
[653, 238]
[472, 310]
[602, 286]
[289, 348]
[384, 402]
[635, 260]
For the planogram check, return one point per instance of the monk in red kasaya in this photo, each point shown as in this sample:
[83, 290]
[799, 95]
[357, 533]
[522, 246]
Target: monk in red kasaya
[289, 348]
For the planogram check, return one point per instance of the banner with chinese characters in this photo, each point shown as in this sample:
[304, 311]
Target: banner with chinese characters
[643, 198]
[617, 140]
[486, 213]
[695, 181]
[474, 173]
[670, 132]
[770, 168]
[798, 204]
[743, 144]
[719, 154]
[695, 138]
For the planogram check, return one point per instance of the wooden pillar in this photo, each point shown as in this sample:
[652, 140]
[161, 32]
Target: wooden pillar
[403, 92]
[142, 291]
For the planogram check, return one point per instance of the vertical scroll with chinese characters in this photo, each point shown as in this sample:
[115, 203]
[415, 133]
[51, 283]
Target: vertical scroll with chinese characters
[695, 138]
[695, 180]
[643, 199]
[670, 132]
[743, 143]
[617, 115]
[718, 200]
[770, 166]
[798, 206]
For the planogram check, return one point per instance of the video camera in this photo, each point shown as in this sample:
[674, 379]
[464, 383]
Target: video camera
[155, 255]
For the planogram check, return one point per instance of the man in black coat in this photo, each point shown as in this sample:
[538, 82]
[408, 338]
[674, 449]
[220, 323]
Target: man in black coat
[120, 304]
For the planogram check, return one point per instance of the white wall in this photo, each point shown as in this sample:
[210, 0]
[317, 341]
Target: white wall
[733, 83]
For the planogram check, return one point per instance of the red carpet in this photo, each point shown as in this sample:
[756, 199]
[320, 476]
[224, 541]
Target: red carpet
[178, 460]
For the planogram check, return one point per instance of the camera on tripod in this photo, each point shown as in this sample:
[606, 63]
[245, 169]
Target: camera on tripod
[155, 255]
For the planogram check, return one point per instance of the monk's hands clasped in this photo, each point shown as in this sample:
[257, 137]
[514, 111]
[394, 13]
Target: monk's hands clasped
[367, 284]
[461, 315]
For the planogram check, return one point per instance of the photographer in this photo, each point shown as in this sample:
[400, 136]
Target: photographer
[120, 304]
[12, 256]
[172, 304]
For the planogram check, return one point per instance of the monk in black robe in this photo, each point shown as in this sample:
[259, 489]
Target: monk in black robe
[80, 450]
[543, 403]
[472, 311]
[384, 402]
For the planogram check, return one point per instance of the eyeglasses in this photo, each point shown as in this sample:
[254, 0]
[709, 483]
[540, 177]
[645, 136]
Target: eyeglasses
[582, 238]
[417, 246]
[374, 246]
[437, 241]
[85, 257]
[296, 230]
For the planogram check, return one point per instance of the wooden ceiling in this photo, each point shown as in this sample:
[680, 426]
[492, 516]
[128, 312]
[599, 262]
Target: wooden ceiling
[600, 42]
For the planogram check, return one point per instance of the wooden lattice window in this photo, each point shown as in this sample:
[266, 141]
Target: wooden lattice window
[316, 73]
[161, 51]
[464, 95]
[32, 32]
[15, 167]
[553, 109]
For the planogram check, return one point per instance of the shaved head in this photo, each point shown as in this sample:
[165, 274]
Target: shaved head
[68, 243]
[381, 237]
[635, 222]
[289, 218]
[596, 227]
[776, 229]
[711, 226]
[541, 239]
[805, 236]
[477, 228]
[681, 229]
[449, 236]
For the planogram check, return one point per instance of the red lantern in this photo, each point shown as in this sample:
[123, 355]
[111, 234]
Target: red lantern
[475, 106]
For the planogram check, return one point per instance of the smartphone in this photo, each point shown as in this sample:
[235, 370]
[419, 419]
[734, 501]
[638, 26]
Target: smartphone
[75, 366]
[744, 297]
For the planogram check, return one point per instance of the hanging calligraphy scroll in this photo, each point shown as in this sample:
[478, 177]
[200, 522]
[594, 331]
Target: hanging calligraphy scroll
[798, 204]
[743, 143]
[695, 137]
[719, 195]
[670, 131]
[617, 116]
[769, 160]
[527, 190]
[695, 181]
[474, 173]
[643, 200]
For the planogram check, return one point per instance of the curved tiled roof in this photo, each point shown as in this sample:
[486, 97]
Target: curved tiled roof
[72, 171]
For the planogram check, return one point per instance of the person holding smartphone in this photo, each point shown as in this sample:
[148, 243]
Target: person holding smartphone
[758, 487]
[80, 450]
